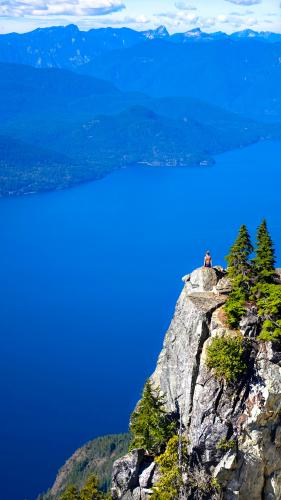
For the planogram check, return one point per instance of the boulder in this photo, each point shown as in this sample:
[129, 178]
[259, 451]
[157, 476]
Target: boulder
[223, 286]
[133, 476]
[145, 479]
[202, 280]
[125, 474]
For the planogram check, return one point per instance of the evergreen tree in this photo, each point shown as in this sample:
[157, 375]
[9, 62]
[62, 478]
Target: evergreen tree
[90, 490]
[265, 258]
[240, 273]
[70, 493]
[238, 258]
[150, 427]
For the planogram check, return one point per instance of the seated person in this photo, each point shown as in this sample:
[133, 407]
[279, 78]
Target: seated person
[208, 259]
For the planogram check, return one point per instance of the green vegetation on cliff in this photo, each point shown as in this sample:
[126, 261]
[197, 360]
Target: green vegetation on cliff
[239, 272]
[238, 258]
[255, 289]
[253, 282]
[226, 356]
[269, 309]
[265, 258]
[150, 427]
[171, 482]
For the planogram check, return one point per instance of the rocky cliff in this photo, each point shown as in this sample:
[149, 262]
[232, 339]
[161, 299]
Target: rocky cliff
[246, 418]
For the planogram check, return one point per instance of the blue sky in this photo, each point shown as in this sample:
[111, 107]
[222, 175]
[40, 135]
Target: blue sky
[176, 15]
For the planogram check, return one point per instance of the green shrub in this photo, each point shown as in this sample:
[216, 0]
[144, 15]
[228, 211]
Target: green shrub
[234, 308]
[270, 331]
[226, 445]
[170, 483]
[269, 309]
[202, 484]
[226, 356]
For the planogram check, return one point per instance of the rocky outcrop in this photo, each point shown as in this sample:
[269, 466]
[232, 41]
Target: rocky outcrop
[132, 476]
[255, 470]
[247, 416]
[178, 364]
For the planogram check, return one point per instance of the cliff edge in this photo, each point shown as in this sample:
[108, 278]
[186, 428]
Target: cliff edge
[233, 433]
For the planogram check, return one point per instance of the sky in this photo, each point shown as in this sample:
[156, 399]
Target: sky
[176, 15]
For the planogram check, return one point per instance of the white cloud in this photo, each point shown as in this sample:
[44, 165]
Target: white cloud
[184, 20]
[18, 8]
[243, 13]
[244, 2]
[136, 22]
[183, 17]
[184, 6]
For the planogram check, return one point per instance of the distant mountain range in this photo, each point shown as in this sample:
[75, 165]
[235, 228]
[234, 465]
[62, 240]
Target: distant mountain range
[68, 47]
[58, 128]
[240, 72]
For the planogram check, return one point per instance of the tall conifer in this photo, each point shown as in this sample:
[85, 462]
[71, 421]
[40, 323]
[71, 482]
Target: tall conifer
[150, 427]
[70, 493]
[238, 258]
[265, 257]
[90, 490]
[239, 272]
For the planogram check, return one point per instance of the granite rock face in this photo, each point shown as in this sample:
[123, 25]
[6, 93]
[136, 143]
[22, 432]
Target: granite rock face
[178, 364]
[248, 415]
[132, 476]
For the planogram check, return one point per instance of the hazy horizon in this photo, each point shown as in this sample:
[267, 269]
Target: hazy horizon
[86, 29]
[177, 16]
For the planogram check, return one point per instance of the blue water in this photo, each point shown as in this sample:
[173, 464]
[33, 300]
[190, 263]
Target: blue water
[88, 282]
